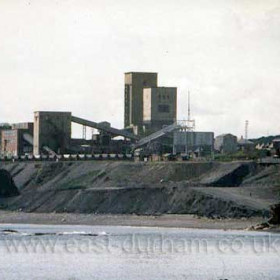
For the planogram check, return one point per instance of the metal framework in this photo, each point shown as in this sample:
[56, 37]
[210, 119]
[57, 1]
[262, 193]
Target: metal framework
[110, 130]
[246, 129]
[190, 124]
[157, 135]
[84, 132]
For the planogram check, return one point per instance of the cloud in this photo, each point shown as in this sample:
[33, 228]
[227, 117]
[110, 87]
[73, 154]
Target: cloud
[60, 55]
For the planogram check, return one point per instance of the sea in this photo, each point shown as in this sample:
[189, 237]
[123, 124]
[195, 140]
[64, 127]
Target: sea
[73, 252]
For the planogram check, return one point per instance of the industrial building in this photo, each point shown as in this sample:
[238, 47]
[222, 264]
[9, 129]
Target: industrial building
[3, 126]
[52, 135]
[147, 107]
[159, 107]
[276, 146]
[148, 110]
[52, 130]
[135, 82]
[245, 145]
[150, 124]
[226, 143]
[193, 142]
[15, 140]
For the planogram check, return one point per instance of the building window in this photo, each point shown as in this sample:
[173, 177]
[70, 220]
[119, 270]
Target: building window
[164, 108]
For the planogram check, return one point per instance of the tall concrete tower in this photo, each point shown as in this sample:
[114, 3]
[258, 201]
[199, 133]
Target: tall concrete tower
[52, 130]
[135, 82]
[159, 107]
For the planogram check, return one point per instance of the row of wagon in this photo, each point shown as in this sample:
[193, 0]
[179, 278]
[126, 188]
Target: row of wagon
[68, 157]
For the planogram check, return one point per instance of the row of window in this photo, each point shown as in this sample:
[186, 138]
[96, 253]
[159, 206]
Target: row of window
[163, 108]
[163, 96]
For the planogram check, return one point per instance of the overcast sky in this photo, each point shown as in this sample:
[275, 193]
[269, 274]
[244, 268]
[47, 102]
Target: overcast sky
[72, 55]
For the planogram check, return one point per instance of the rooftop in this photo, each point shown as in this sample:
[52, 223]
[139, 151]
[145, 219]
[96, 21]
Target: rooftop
[52, 112]
[161, 87]
[140, 73]
[226, 134]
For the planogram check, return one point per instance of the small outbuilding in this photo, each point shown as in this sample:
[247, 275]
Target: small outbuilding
[226, 143]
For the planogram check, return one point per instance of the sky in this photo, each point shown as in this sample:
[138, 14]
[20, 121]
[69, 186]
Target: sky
[72, 55]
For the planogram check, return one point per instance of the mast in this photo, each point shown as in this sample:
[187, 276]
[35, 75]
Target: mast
[189, 107]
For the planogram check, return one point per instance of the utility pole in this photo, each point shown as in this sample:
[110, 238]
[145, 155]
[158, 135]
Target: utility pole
[189, 107]
[190, 125]
[190, 122]
[246, 129]
[84, 132]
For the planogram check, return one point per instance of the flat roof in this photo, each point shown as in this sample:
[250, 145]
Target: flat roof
[194, 131]
[160, 87]
[50, 112]
[18, 123]
[140, 73]
[225, 134]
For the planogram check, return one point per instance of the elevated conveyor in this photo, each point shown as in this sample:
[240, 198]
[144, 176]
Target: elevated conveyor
[156, 135]
[111, 130]
[29, 139]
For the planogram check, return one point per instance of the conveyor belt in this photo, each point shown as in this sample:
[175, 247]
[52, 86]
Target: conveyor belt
[156, 135]
[111, 130]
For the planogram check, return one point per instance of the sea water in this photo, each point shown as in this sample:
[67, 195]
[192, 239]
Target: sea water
[112, 252]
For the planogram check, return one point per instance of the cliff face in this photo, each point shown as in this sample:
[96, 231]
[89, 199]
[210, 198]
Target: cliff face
[238, 189]
[7, 185]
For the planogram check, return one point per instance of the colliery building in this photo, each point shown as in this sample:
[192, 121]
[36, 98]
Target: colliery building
[147, 107]
[135, 82]
[52, 130]
[199, 143]
[3, 126]
[150, 119]
[159, 107]
[226, 143]
[16, 140]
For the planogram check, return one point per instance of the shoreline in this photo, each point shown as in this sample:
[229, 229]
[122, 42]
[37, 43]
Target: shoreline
[167, 220]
